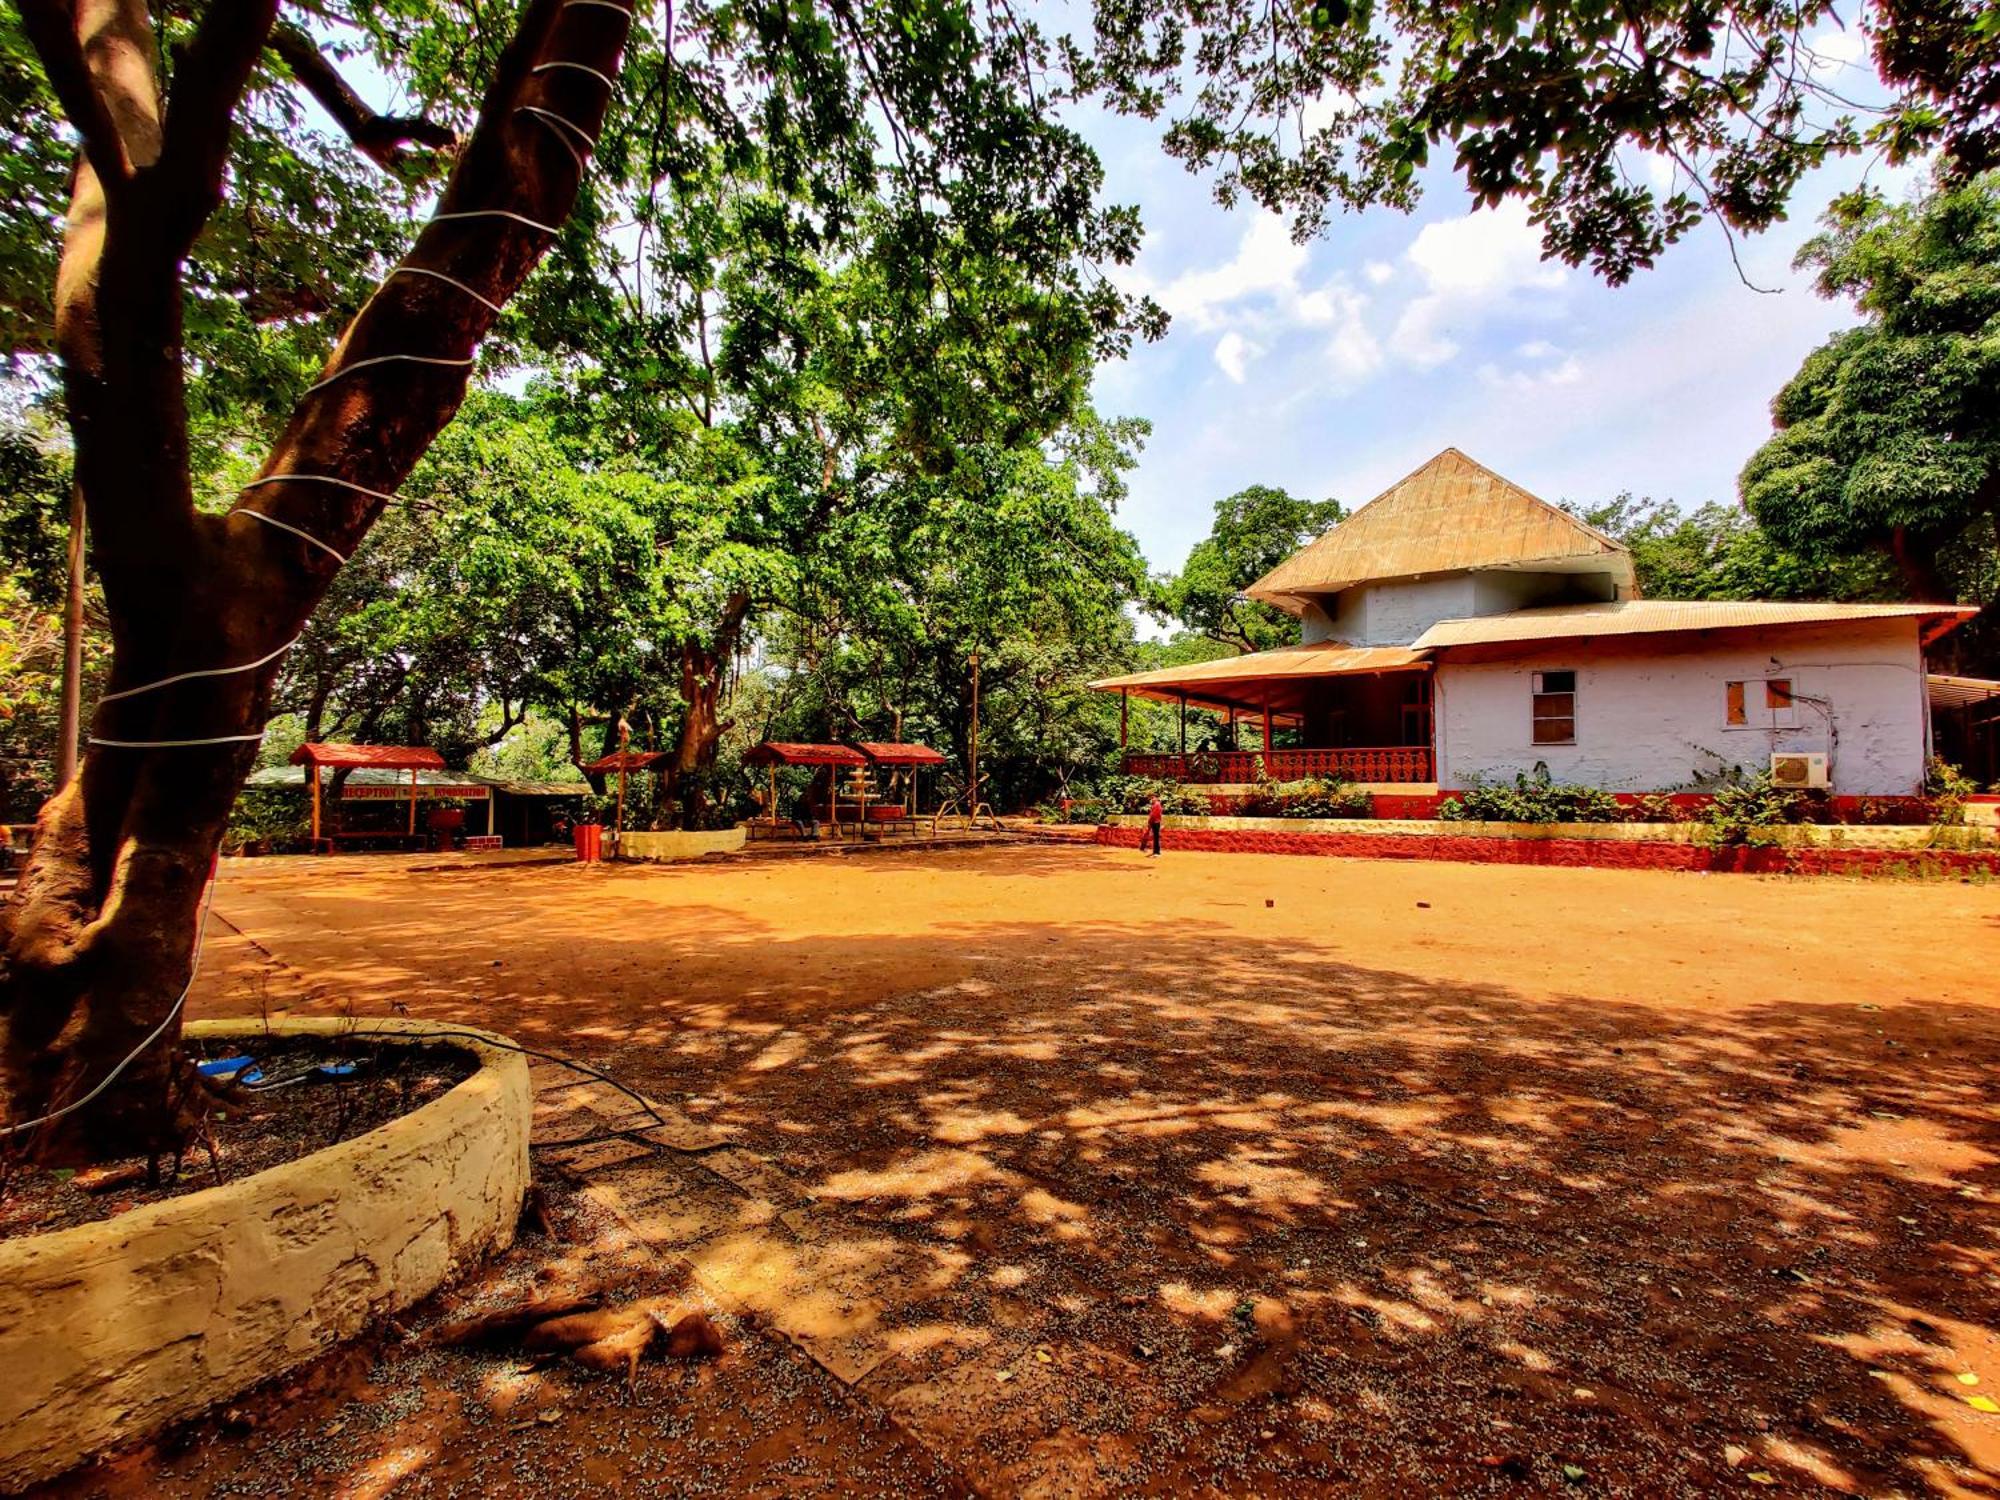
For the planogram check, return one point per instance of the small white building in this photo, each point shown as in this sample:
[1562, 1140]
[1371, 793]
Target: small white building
[1456, 629]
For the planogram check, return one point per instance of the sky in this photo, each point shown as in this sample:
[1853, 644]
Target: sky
[1334, 368]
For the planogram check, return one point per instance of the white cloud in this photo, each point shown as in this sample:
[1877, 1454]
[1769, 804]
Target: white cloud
[1471, 267]
[1352, 350]
[1266, 264]
[1538, 349]
[1378, 271]
[1233, 354]
[1833, 51]
[1259, 297]
[1569, 372]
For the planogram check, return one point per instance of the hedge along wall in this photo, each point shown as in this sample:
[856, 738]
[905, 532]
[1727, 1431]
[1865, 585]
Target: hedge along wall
[1398, 806]
[1536, 846]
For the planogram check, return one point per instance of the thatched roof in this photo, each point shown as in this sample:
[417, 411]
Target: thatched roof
[1449, 516]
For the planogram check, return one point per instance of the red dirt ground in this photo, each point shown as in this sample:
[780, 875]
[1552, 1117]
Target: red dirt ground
[1241, 1174]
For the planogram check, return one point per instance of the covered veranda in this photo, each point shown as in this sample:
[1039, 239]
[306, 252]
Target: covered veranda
[1362, 713]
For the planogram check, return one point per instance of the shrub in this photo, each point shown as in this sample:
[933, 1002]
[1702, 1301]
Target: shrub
[1312, 797]
[1532, 799]
[1946, 789]
[1081, 809]
[267, 820]
[1134, 794]
[1748, 810]
[1658, 807]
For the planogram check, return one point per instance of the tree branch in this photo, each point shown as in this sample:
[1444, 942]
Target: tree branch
[207, 87]
[402, 367]
[379, 137]
[55, 30]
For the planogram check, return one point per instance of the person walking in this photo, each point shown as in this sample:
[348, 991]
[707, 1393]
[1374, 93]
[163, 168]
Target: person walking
[1154, 814]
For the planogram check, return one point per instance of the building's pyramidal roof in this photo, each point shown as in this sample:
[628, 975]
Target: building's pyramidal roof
[1452, 514]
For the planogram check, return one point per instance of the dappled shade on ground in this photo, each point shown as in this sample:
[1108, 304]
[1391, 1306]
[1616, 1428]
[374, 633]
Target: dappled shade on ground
[1623, 1175]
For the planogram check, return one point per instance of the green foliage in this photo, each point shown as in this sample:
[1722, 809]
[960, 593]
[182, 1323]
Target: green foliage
[34, 575]
[1946, 789]
[1135, 794]
[1255, 529]
[267, 820]
[1532, 799]
[1889, 435]
[1309, 108]
[1659, 807]
[1312, 797]
[1085, 809]
[1748, 809]
[1720, 552]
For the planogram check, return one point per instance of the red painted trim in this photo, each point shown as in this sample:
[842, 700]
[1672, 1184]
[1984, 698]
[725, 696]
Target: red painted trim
[1571, 853]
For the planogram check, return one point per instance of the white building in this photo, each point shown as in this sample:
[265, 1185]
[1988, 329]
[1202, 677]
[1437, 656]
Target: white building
[1456, 629]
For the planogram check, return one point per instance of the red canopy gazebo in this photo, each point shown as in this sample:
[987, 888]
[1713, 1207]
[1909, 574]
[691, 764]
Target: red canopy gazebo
[833, 758]
[623, 760]
[411, 758]
[776, 753]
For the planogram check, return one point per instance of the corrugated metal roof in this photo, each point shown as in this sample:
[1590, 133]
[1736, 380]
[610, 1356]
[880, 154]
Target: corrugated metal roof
[885, 753]
[1653, 616]
[405, 757]
[1326, 659]
[1449, 515]
[1955, 692]
[793, 753]
[630, 760]
[285, 778]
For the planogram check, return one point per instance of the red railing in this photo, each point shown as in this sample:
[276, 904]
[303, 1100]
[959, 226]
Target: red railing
[1397, 763]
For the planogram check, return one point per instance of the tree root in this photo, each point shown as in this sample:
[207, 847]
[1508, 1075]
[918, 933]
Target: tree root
[606, 1339]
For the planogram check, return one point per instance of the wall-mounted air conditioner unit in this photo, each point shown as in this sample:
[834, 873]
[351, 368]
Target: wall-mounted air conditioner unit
[1797, 771]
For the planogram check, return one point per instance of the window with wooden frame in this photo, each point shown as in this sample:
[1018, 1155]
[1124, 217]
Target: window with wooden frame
[1773, 708]
[1555, 708]
[1778, 702]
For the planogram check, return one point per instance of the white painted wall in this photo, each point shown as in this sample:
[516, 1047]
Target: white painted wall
[1395, 614]
[1650, 710]
[1390, 614]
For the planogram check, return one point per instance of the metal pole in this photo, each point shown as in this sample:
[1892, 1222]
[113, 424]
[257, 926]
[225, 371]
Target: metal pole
[618, 820]
[972, 791]
[70, 716]
[312, 770]
[413, 801]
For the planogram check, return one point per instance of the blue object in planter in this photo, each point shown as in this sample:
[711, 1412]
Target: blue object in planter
[231, 1068]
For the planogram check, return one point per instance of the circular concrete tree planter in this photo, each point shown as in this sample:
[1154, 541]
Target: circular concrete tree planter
[110, 1330]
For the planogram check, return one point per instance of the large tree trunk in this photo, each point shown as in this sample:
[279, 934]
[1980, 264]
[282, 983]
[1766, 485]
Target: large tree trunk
[97, 943]
[703, 682]
[1916, 559]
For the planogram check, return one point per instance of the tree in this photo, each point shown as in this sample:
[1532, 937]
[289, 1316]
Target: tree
[1255, 529]
[1889, 436]
[98, 936]
[1720, 552]
[1012, 557]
